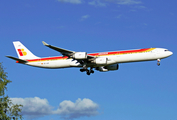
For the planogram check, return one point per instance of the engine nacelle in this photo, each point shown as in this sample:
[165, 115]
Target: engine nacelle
[108, 68]
[101, 61]
[80, 55]
[112, 67]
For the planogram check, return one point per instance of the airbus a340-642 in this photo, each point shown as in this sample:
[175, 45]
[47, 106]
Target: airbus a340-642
[104, 61]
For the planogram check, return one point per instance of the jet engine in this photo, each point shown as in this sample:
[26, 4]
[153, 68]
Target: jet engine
[108, 68]
[80, 55]
[101, 61]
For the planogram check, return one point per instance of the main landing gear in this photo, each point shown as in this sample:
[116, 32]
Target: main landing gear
[158, 62]
[88, 72]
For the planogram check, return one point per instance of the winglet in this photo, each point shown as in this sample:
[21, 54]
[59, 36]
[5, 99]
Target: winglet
[45, 43]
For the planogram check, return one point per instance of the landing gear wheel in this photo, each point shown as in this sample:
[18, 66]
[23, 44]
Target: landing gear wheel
[88, 73]
[158, 62]
[91, 71]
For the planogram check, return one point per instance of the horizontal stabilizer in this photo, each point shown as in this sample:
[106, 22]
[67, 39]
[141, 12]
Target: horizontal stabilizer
[17, 59]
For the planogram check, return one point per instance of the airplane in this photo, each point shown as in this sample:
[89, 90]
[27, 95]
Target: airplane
[104, 61]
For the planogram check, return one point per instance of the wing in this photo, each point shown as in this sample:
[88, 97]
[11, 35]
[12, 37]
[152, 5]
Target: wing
[65, 52]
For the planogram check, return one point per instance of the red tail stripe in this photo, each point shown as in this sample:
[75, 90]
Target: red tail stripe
[20, 52]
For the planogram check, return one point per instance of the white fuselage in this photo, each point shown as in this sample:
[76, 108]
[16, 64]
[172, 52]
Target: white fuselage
[112, 58]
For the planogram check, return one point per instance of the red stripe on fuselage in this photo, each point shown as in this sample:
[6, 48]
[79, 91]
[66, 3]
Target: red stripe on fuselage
[93, 54]
[49, 58]
[119, 52]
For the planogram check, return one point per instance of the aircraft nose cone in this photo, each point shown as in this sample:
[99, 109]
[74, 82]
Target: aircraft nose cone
[171, 53]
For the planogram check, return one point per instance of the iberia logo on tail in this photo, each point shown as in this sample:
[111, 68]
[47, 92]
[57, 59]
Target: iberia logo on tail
[22, 52]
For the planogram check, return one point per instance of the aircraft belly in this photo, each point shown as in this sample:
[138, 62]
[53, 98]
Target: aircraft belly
[160, 55]
[51, 64]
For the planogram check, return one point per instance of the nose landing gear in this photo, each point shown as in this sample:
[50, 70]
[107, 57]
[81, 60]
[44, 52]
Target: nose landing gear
[158, 62]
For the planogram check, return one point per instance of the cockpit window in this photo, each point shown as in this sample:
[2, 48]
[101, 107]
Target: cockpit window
[166, 50]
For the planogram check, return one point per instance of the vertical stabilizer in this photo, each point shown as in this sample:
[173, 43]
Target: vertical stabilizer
[23, 52]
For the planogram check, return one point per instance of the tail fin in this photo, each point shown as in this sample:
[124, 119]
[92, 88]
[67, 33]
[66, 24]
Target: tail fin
[23, 52]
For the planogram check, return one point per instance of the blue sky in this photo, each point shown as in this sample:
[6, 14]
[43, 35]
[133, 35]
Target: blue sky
[137, 91]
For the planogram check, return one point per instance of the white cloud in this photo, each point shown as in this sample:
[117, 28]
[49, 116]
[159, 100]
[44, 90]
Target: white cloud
[70, 110]
[71, 1]
[84, 17]
[33, 107]
[128, 2]
[37, 107]
[103, 3]
[97, 3]
[125, 2]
